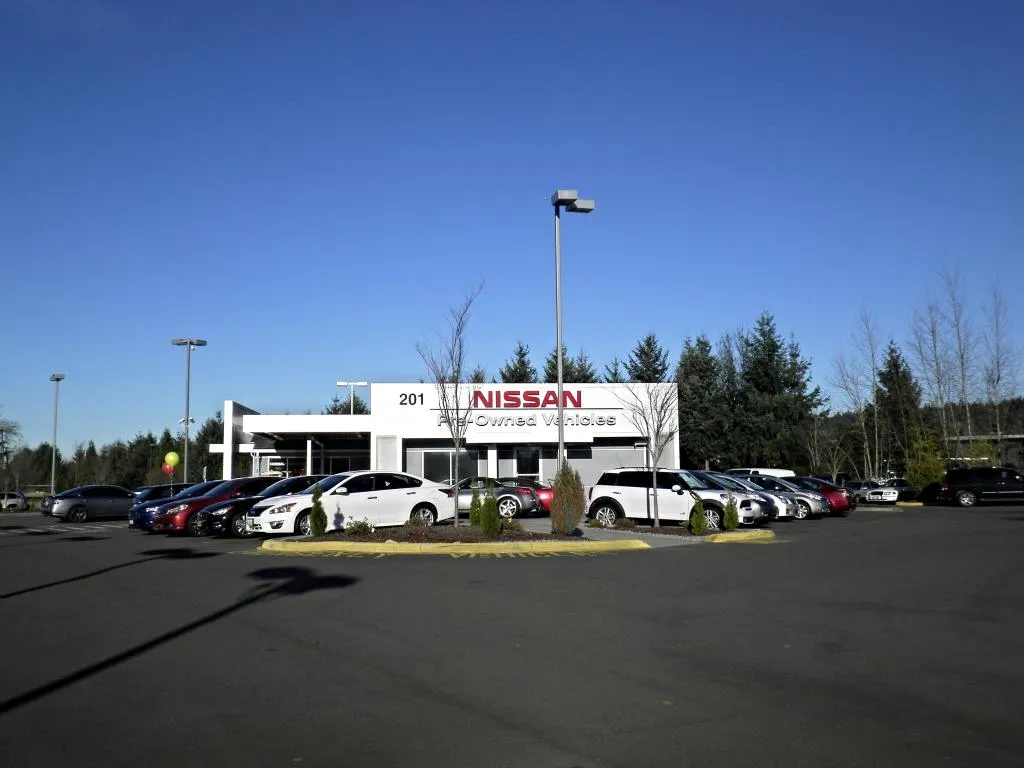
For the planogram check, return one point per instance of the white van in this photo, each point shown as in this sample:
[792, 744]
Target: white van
[761, 471]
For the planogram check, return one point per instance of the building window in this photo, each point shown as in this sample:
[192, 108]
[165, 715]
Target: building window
[439, 467]
[528, 462]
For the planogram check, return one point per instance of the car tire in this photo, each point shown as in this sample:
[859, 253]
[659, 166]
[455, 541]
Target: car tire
[78, 515]
[193, 526]
[236, 527]
[303, 527]
[966, 498]
[803, 510]
[424, 513]
[508, 508]
[713, 518]
[606, 513]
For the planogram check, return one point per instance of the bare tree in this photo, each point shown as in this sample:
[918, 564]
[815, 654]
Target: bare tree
[1001, 364]
[446, 364]
[654, 410]
[928, 345]
[10, 437]
[866, 340]
[849, 379]
[962, 329]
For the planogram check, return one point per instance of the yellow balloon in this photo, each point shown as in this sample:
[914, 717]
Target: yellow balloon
[172, 459]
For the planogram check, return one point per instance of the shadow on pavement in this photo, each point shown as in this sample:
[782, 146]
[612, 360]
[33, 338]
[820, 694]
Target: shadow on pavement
[151, 555]
[277, 583]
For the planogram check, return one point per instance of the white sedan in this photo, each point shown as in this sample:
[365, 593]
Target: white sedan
[380, 498]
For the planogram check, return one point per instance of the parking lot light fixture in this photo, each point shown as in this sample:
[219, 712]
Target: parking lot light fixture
[56, 378]
[570, 200]
[352, 392]
[189, 345]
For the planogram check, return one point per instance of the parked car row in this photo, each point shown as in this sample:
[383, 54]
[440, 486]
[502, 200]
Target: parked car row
[629, 492]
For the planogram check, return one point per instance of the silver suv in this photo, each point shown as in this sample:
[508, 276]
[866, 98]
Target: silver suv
[13, 501]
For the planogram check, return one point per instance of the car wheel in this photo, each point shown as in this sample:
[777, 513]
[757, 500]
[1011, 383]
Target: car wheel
[424, 513]
[966, 498]
[194, 526]
[803, 510]
[237, 527]
[508, 507]
[79, 515]
[606, 513]
[303, 527]
[712, 518]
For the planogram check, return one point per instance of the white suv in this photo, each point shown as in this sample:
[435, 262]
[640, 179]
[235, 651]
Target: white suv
[628, 492]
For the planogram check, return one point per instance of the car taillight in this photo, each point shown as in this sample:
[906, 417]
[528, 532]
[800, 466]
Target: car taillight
[524, 491]
[449, 492]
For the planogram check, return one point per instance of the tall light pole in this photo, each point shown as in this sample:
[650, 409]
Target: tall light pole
[56, 378]
[351, 393]
[570, 200]
[188, 344]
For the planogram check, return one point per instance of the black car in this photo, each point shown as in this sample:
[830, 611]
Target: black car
[150, 493]
[227, 518]
[970, 485]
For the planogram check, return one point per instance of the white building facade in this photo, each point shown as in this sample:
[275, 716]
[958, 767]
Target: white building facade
[511, 431]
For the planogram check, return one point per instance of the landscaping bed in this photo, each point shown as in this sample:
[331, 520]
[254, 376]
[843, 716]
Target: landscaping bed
[437, 535]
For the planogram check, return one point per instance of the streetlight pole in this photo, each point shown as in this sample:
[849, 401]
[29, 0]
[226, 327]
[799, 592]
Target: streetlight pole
[351, 393]
[56, 378]
[188, 344]
[570, 200]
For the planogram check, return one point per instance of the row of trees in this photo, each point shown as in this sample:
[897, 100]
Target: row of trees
[128, 463]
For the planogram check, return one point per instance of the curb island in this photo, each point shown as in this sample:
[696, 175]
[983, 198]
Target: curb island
[548, 547]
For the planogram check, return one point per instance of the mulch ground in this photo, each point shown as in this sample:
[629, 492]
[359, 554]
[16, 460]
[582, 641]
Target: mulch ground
[668, 530]
[439, 535]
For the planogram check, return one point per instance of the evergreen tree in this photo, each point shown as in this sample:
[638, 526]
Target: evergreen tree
[648, 362]
[899, 405]
[519, 369]
[698, 377]
[338, 406]
[728, 435]
[478, 375]
[776, 398]
[613, 372]
[575, 370]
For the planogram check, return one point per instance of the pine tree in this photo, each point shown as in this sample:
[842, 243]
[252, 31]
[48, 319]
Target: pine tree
[575, 370]
[899, 404]
[613, 372]
[354, 404]
[700, 403]
[648, 362]
[478, 375]
[519, 369]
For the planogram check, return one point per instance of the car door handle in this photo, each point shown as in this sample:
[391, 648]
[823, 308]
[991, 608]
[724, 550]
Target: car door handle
[371, 497]
[410, 493]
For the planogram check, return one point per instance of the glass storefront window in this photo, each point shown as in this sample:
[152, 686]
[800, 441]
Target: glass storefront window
[527, 462]
[438, 465]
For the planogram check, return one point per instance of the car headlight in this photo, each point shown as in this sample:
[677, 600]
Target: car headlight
[177, 509]
[723, 496]
[283, 509]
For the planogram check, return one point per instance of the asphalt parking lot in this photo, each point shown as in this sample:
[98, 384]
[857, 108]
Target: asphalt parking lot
[885, 638]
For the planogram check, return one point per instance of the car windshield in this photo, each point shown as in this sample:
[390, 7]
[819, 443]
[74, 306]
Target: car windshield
[197, 490]
[735, 482]
[807, 484]
[69, 493]
[694, 482]
[285, 486]
[328, 482]
[788, 485]
[219, 489]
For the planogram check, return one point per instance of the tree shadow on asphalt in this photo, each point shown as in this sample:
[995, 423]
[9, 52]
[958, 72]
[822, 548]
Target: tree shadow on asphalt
[1018, 519]
[277, 582]
[151, 555]
[24, 541]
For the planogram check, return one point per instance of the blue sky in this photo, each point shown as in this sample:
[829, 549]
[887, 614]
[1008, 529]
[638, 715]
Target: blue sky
[311, 185]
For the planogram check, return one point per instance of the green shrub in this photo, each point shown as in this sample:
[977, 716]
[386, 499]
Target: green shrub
[624, 523]
[593, 522]
[317, 515]
[731, 519]
[511, 525]
[926, 466]
[569, 501]
[474, 508]
[698, 523]
[415, 522]
[359, 528]
[490, 520]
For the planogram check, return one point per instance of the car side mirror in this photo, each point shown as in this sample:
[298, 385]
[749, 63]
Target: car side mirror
[341, 490]
[677, 489]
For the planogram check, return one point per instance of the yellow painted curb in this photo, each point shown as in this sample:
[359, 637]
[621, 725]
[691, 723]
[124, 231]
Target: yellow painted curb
[739, 536]
[445, 548]
[909, 503]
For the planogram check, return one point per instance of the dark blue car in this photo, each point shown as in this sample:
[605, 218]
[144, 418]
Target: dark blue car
[142, 513]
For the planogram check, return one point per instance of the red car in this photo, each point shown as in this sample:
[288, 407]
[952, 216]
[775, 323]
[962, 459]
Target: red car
[183, 517]
[840, 500]
[544, 493]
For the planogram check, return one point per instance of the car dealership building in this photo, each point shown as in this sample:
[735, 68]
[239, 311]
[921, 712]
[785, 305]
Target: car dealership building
[512, 430]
